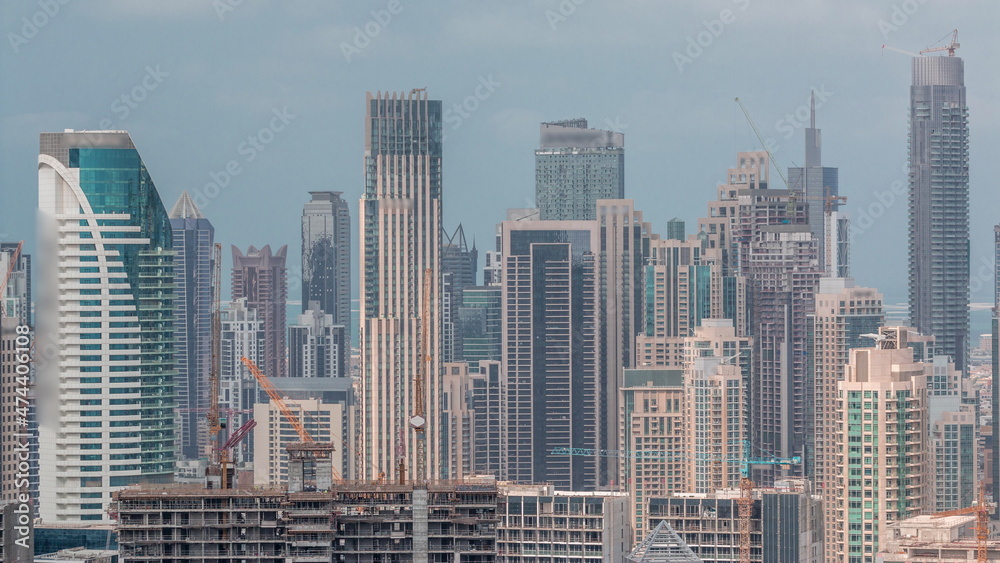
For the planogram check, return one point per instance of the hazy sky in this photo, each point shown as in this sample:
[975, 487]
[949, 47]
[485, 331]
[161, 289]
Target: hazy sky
[275, 92]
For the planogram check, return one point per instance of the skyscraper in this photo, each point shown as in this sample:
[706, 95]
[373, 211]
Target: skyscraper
[401, 250]
[819, 186]
[843, 313]
[550, 346]
[316, 346]
[458, 270]
[17, 431]
[995, 330]
[106, 402]
[260, 277]
[576, 166]
[326, 257]
[939, 204]
[193, 237]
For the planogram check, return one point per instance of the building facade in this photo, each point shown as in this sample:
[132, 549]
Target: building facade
[317, 347]
[259, 277]
[401, 269]
[576, 166]
[106, 401]
[326, 256]
[18, 424]
[324, 422]
[939, 204]
[193, 242]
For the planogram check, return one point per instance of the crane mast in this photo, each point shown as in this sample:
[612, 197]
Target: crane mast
[212, 416]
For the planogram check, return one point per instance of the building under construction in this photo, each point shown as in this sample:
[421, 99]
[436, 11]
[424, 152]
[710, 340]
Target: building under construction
[452, 521]
[785, 523]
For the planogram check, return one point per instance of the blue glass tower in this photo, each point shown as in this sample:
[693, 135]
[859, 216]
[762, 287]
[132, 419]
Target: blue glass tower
[106, 400]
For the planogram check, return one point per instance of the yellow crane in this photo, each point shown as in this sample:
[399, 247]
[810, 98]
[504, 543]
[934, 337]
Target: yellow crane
[982, 511]
[949, 47]
[272, 392]
[212, 416]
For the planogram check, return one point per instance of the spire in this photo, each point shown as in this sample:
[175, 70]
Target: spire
[814, 141]
[812, 109]
[185, 208]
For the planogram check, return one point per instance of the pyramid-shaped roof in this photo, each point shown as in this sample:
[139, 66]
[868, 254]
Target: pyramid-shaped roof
[663, 545]
[185, 208]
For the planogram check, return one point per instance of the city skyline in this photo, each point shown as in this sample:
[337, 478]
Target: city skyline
[871, 159]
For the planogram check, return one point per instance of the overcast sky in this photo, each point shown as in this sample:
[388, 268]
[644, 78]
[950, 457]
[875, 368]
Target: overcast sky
[275, 92]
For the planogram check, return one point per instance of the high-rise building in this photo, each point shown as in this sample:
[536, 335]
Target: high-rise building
[717, 369]
[883, 446]
[458, 271]
[550, 347]
[819, 186]
[489, 410]
[316, 346]
[242, 336]
[995, 335]
[576, 166]
[652, 420]
[480, 324]
[401, 245]
[326, 256]
[939, 204]
[194, 238]
[539, 523]
[458, 419]
[273, 433]
[18, 433]
[843, 314]
[260, 278]
[106, 401]
[785, 523]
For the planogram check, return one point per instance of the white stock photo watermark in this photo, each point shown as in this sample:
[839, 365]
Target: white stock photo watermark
[697, 43]
[365, 34]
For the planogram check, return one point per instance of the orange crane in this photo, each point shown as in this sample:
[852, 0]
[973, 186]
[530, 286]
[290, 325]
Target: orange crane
[7, 274]
[419, 419]
[949, 47]
[272, 392]
[982, 511]
[214, 422]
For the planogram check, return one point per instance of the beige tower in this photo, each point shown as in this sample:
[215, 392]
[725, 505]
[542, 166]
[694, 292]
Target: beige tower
[401, 286]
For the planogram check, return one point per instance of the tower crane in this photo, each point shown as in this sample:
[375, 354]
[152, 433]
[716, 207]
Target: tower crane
[949, 47]
[234, 439]
[212, 416]
[419, 420]
[982, 511]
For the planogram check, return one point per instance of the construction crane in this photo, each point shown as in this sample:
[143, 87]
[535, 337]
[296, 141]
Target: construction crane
[419, 420]
[234, 439]
[763, 143]
[982, 511]
[272, 392]
[7, 274]
[949, 47]
[212, 416]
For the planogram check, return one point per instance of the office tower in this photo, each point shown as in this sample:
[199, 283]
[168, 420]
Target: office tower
[652, 421]
[717, 369]
[316, 346]
[843, 314]
[326, 257]
[576, 166]
[882, 418]
[458, 270]
[480, 325]
[552, 382]
[492, 268]
[273, 433]
[401, 254]
[260, 278]
[540, 523]
[193, 242]
[18, 434]
[785, 523]
[106, 400]
[939, 204]
[818, 186]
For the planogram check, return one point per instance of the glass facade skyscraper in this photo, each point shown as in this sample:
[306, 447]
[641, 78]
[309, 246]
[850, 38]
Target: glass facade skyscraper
[576, 166]
[939, 204]
[193, 237]
[106, 400]
[326, 256]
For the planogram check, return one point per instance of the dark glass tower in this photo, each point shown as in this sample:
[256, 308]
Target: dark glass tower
[939, 204]
[193, 239]
[326, 256]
